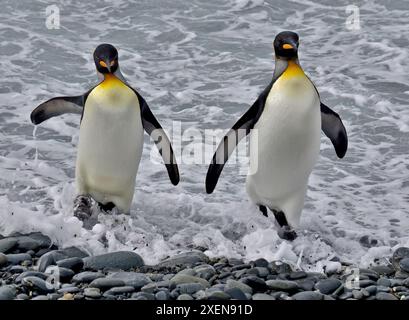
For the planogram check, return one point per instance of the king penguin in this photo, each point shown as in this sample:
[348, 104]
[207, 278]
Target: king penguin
[284, 124]
[113, 118]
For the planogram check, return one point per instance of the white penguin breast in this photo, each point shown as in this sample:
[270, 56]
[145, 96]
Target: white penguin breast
[111, 140]
[285, 143]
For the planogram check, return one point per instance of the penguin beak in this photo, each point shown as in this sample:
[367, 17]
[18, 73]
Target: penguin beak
[289, 46]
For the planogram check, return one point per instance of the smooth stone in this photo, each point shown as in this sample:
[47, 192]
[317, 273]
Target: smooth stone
[188, 271]
[54, 296]
[383, 289]
[384, 282]
[134, 279]
[398, 255]
[30, 274]
[161, 295]
[258, 285]
[401, 274]
[181, 278]
[328, 298]
[190, 288]
[262, 296]
[406, 282]
[7, 292]
[74, 263]
[74, 252]
[371, 289]
[120, 290]
[308, 295]
[241, 267]
[234, 261]
[185, 259]
[17, 269]
[282, 285]
[93, 293]
[366, 283]
[123, 260]
[328, 286]
[154, 276]
[383, 270]
[17, 258]
[357, 294]
[3, 260]
[38, 284]
[217, 295]
[22, 296]
[7, 244]
[236, 294]
[345, 295]
[296, 275]
[62, 274]
[106, 283]
[42, 297]
[232, 284]
[144, 295]
[69, 290]
[184, 296]
[369, 273]
[277, 267]
[404, 264]
[306, 284]
[67, 296]
[33, 241]
[49, 259]
[262, 272]
[87, 277]
[385, 296]
[261, 263]
[205, 271]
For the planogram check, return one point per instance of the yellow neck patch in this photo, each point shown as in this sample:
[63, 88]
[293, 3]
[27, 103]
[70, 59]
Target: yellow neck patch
[110, 82]
[293, 70]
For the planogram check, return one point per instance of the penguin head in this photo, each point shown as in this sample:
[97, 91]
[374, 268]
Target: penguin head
[286, 45]
[106, 58]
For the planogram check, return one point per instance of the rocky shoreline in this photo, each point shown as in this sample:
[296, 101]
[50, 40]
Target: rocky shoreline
[32, 268]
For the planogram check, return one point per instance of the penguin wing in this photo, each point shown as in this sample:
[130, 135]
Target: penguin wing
[229, 142]
[58, 106]
[334, 129]
[155, 130]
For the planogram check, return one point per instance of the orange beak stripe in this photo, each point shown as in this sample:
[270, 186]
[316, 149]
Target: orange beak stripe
[287, 46]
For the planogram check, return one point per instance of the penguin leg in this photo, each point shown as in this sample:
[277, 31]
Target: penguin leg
[82, 207]
[263, 210]
[106, 207]
[285, 232]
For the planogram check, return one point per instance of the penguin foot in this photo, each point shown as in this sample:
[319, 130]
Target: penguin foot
[82, 207]
[287, 233]
[263, 210]
[106, 207]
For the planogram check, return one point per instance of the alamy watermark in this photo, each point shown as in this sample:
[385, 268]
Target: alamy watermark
[353, 21]
[52, 20]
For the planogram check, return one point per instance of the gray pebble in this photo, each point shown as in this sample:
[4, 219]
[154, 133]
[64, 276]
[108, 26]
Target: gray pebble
[123, 260]
[38, 284]
[7, 244]
[7, 292]
[49, 259]
[230, 284]
[398, 255]
[383, 270]
[297, 275]
[282, 285]
[218, 295]
[134, 279]
[328, 286]
[69, 290]
[385, 296]
[189, 288]
[236, 293]
[93, 293]
[74, 263]
[120, 290]
[3, 260]
[184, 297]
[185, 259]
[145, 295]
[258, 285]
[357, 294]
[42, 297]
[261, 263]
[106, 283]
[404, 264]
[308, 295]
[371, 289]
[17, 258]
[182, 278]
[62, 274]
[346, 295]
[22, 296]
[17, 269]
[262, 296]
[384, 282]
[161, 295]
[87, 277]
[30, 273]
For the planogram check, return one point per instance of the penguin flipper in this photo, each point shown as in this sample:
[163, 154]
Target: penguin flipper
[229, 142]
[155, 130]
[334, 129]
[57, 106]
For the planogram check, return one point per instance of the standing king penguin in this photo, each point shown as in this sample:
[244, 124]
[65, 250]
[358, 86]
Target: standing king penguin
[288, 117]
[113, 117]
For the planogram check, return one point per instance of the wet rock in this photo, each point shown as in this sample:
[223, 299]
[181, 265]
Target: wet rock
[69, 290]
[61, 274]
[49, 259]
[205, 271]
[120, 290]
[161, 295]
[22, 296]
[261, 272]
[357, 294]
[328, 286]
[17, 269]
[308, 295]
[74, 252]
[143, 296]
[371, 289]
[7, 292]
[383, 270]
[366, 283]
[185, 297]
[385, 296]
[232, 284]
[404, 264]
[42, 297]
[17, 258]
[185, 259]
[7, 244]
[236, 293]
[277, 267]
[3, 260]
[384, 282]
[306, 284]
[38, 284]
[261, 263]
[93, 293]
[133, 279]
[398, 255]
[282, 285]
[87, 277]
[346, 295]
[74, 263]
[181, 278]
[218, 295]
[241, 267]
[30, 274]
[190, 288]
[296, 275]
[33, 241]
[262, 296]
[258, 285]
[123, 260]
[106, 283]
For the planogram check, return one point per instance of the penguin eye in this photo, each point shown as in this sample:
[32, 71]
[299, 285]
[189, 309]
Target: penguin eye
[102, 64]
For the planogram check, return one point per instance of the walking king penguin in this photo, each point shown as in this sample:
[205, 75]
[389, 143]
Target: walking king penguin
[284, 125]
[111, 136]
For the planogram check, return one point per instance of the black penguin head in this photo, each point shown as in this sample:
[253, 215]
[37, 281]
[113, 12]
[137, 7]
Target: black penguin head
[106, 58]
[286, 45]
